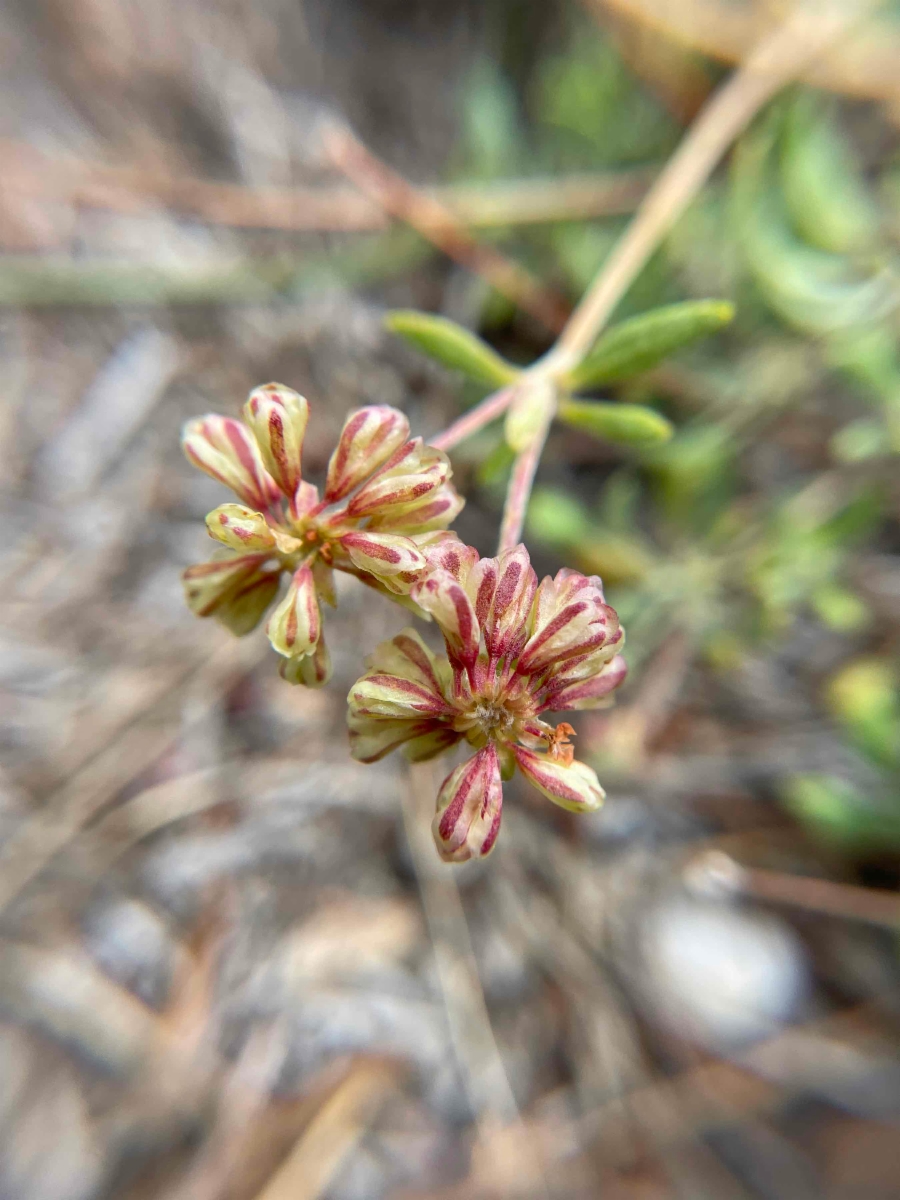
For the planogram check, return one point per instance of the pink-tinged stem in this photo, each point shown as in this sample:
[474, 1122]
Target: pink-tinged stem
[519, 492]
[482, 414]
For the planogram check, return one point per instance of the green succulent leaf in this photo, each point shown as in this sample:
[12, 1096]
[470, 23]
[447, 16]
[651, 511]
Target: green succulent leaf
[641, 342]
[629, 423]
[452, 345]
[827, 199]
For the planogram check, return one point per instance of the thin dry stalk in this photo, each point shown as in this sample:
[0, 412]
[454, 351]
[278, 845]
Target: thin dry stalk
[803, 37]
[719, 871]
[442, 228]
[473, 1038]
[864, 65]
[31, 177]
[333, 1132]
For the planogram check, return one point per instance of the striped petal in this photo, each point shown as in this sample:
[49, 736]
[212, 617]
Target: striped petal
[502, 590]
[407, 656]
[446, 600]
[573, 786]
[469, 807]
[431, 744]
[413, 473]
[277, 416]
[570, 618]
[371, 739]
[592, 692]
[378, 694]
[207, 586]
[369, 437]
[447, 553]
[311, 670]
[295, 625]
[240, 528]
[436, 511]
[226, 450]
[382, 553]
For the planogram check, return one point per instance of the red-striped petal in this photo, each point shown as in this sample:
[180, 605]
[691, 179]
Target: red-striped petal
[369, 438]
[592, 692]
[382, 553]
[469, 807]
[573, 786]
[447, 601]
[295, 625]
[277, 415]
[226, 450]
[208, 585]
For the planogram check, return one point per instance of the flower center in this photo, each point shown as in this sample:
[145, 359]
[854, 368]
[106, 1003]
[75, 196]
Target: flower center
[494, 719]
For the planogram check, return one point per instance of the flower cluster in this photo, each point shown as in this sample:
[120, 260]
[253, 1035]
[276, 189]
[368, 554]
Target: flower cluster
[515, 649]
[387, 499]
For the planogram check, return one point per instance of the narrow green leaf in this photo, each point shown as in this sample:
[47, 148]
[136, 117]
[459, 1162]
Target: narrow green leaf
[452, 345]
[629, 423]
[641, 342]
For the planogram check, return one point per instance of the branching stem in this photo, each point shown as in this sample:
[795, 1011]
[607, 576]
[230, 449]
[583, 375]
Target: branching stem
[810, 29]
[476, 418]
[520, 483]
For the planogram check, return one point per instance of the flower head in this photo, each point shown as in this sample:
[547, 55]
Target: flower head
[387, 498]
[516, 649]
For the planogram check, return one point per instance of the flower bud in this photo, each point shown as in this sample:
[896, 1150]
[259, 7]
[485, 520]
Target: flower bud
[469, 808]
[592, 692]
[435, 511]
[503, 590]
[243, 610]
[277, 415]
[379, 694]
[570, 619]
[226, 450]
[306, 497]
[446, 600]
[240, 528]
[371, 738]
[208, 585]
[573, 786]
[411, 474]
[310, 670]
[295, 625]
[382, 553]
[369, 437]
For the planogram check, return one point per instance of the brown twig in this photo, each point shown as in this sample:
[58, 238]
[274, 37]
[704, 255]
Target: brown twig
[716, 869]
[443, 228]
[31, 177]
